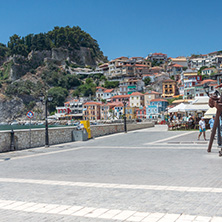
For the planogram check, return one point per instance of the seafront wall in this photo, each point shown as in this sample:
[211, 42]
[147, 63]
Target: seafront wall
[59, 135]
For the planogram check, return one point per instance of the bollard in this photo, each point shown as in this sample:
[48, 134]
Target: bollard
[12, 140]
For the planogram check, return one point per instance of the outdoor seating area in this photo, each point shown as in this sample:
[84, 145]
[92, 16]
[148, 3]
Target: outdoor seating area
[187, 116]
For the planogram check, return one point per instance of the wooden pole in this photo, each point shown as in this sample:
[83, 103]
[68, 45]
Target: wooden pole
[216, 122]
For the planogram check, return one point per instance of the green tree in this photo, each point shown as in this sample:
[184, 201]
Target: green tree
[59, 95]
[3, 51]
[111, 84]
[147, 80]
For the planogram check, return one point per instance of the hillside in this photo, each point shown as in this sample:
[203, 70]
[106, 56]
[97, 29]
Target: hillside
[36, 64]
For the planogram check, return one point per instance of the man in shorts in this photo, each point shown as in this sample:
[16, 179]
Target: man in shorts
[202, 128]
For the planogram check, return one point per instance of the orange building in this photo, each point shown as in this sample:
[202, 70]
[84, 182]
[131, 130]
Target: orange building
[169, 88]
[91, 111]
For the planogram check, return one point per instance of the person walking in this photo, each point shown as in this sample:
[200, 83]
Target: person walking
[211, 122]
[202, 128]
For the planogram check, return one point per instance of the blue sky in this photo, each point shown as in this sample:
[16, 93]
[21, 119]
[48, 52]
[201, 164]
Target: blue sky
[123, 27]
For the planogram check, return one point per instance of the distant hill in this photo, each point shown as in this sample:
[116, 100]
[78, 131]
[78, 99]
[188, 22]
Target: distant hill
[41, 63]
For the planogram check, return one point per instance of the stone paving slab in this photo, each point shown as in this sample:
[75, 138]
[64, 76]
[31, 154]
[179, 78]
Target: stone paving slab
[131, 177]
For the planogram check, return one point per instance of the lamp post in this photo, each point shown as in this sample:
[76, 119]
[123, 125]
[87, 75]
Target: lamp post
[125, 128]
[45, 100]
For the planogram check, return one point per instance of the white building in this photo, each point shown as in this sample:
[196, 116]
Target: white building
[136, 99]
[103, 93]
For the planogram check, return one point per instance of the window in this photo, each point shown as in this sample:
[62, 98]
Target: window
[149, 97]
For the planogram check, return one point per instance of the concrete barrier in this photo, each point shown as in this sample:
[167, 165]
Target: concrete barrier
[59, 135]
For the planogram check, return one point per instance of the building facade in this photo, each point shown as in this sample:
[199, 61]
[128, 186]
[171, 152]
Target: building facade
[72, 109]
[91, 111]
[169, 88]
[149, 96]
[137, 99]
[141, 113]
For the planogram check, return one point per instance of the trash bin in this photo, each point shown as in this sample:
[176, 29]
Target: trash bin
[86, 125]
[80, 135]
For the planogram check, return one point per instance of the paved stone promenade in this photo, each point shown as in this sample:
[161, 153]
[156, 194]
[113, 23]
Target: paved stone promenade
[146, 175]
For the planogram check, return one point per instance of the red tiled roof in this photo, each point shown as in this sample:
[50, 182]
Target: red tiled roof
[100, 87]
[120, 96]
[128, 65]
[74, 100]
[213, 52]
[156, 67]
[108, 90]
[177, 65]
[213, 84]
[122, 57]
[208, 68]
[140, 65]
[115, 104]
[103, 65]
[158, 53]
[92, 103]
[158, 100]
[207, 81]
[147, 74]
[136, 94]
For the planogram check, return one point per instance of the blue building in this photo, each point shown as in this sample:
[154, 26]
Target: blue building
[156, 107]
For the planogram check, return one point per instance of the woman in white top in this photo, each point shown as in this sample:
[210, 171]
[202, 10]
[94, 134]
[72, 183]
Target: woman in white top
[202, 128]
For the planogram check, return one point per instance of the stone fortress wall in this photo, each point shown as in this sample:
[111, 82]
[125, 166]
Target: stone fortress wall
[59, 135]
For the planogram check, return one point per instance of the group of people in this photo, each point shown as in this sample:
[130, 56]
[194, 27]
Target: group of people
[192, 121]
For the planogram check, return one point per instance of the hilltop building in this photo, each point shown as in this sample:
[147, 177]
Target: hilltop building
[169, 88]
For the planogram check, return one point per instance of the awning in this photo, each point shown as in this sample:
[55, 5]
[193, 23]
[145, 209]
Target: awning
[210, 113]
[178, 108]
[194, 107]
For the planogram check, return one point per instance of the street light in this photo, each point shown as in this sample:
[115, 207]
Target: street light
[124, 117]
[206, 89]
[45, 100]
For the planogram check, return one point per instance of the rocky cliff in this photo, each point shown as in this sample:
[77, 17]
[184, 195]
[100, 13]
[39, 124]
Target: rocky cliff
[36, 64]
[11, 109]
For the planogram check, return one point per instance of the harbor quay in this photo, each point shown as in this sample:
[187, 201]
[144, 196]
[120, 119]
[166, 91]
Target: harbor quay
[149, 174]
[24, 139]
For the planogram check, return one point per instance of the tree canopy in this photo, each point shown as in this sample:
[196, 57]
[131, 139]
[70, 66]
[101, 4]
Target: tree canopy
[59, 95]
[111, 84]
[147, 80]
[68, 37]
